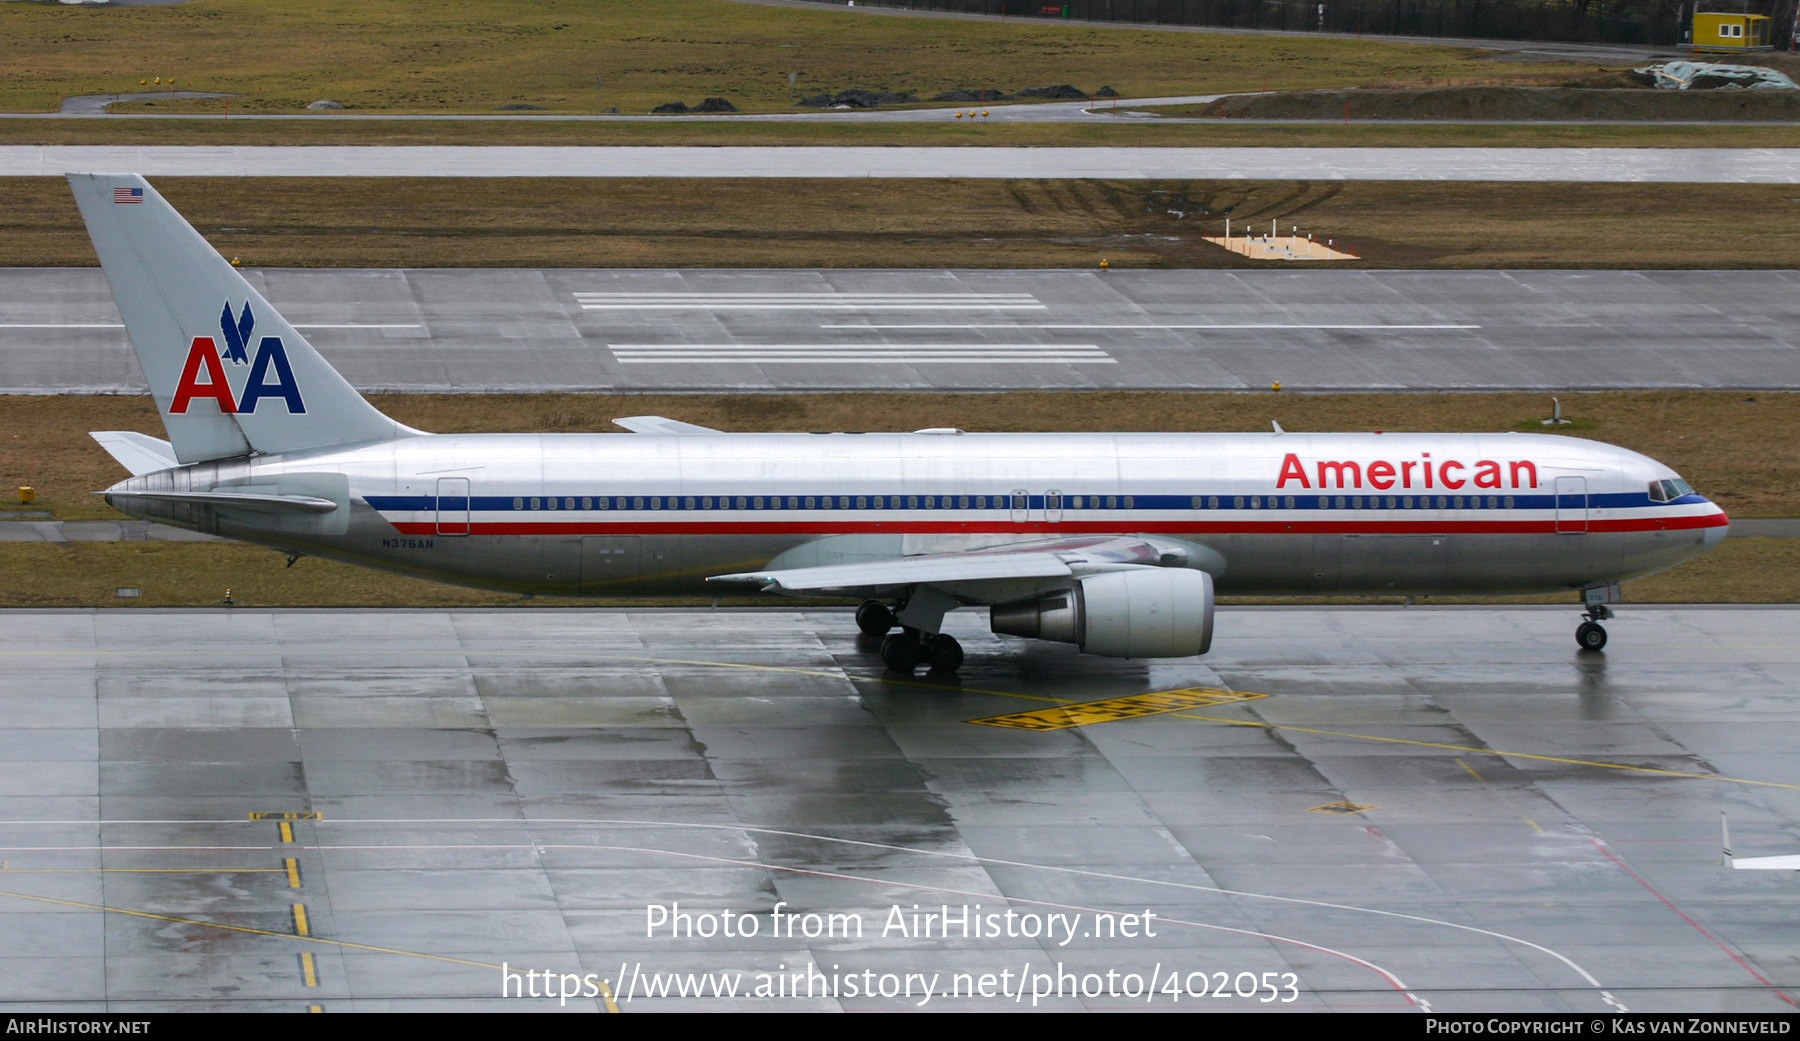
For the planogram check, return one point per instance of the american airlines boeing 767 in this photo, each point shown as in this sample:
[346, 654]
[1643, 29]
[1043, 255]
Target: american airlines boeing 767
[1116, 543]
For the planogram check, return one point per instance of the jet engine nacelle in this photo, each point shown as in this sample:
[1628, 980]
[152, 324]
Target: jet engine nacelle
[1141, 613]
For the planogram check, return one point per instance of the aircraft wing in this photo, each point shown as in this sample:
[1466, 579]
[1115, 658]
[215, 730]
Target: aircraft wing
[855, 579]
[1026, 560]
[1786, 862]
[662, 425]
[1783, 862]
[139, 453]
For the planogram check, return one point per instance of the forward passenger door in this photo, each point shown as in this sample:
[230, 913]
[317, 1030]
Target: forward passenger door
[1571, 505]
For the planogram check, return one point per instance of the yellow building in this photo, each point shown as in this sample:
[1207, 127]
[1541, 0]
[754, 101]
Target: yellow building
[1718, 31]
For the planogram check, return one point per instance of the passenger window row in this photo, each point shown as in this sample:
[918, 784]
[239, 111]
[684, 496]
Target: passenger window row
[764, 502]
[1659, 491]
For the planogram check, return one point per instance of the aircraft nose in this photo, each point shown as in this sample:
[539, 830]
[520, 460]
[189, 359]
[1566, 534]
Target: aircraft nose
[1716, 535]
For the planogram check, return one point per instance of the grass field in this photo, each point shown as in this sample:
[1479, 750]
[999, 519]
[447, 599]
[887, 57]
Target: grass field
[477, 55]
[703, 222]
[1742, 452]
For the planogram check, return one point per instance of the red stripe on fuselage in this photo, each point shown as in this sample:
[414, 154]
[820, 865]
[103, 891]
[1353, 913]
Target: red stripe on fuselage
[1547, 525]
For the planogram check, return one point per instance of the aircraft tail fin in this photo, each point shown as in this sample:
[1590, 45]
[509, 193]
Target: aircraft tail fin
[230, 375]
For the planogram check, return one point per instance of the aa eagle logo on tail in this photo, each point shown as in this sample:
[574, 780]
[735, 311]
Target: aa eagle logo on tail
[237, 335]
[203, 375]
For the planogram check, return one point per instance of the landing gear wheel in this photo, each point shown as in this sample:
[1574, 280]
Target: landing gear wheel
[944, 654]
[1590, 635]
[874, 618]
[900, 652]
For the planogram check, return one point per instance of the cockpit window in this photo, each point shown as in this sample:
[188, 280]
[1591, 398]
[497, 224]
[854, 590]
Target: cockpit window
[1669, 490]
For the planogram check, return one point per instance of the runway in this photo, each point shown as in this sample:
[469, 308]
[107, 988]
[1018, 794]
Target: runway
[1398, 809]
[1591, 165]
[463, 330]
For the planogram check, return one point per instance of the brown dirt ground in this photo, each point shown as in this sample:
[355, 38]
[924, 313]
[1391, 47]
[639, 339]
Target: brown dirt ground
[479, 55]
[681, 222]
[1742, 450]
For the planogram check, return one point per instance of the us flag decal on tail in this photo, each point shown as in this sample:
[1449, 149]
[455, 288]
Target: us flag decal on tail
[124, 195]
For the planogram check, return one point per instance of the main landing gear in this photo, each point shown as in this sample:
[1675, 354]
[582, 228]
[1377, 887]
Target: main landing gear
[1590, 634]
[906, 650]
[875, 618]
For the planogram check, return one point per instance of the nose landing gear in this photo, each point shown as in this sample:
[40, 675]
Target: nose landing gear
[1590, 634]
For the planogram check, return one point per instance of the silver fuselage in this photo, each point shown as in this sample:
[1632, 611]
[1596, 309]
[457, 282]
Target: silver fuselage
[609, 514]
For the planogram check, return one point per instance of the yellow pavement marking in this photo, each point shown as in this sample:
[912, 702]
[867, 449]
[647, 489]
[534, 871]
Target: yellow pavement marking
[1493, 751]
[285, 815]
[245, 929]
[315, 1008]
[309, 971]
[293, 872]
[287, 832]
[606, 992]
[301, 926]
[1501, 793]
[1342, 808]
[1130, 707]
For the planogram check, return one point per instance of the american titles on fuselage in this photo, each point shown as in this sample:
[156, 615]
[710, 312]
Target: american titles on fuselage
[1382, 475]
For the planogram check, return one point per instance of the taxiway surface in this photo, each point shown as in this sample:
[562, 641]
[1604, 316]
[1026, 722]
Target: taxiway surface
[725, 330]
[1587, 165]
[1443, 808]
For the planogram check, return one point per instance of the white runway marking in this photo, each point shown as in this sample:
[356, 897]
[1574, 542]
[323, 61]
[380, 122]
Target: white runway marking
[859, 353]
[1202, 328]
[360, 325]
[809, 302]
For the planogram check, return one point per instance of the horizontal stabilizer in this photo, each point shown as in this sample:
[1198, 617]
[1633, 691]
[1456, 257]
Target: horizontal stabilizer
[240, 501]
[139, 453]
[661, 425]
